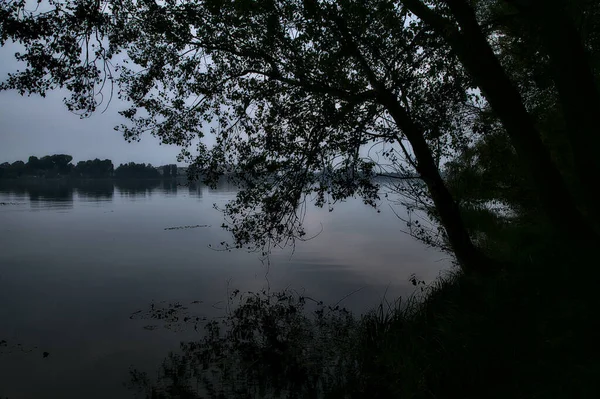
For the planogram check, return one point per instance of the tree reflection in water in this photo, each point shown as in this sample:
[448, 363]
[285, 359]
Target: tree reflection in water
[279, 344]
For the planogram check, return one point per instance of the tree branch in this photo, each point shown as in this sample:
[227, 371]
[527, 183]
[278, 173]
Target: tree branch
[432, 18]
[317, 88]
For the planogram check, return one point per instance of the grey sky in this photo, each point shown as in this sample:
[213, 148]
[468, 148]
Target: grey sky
[43, 126]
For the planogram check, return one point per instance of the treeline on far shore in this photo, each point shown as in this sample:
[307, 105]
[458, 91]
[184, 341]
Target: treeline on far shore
[60, 165]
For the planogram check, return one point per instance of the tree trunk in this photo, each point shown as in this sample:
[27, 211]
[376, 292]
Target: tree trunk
[578, 92]
[478, 58]
[469, 257]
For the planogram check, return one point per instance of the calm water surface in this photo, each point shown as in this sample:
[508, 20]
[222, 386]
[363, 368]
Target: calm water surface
[77, 259]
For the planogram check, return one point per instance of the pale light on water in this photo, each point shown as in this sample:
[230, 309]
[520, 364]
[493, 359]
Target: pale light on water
[76, 260]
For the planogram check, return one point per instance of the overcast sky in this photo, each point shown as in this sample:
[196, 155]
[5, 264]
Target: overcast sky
[43, 126]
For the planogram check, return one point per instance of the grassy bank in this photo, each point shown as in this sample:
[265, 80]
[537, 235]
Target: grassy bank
[526, 333]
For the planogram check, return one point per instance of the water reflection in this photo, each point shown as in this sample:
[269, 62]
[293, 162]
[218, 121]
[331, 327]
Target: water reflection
[95, 190]
[69, 281]
[41, 193]
[137, 188]
[223, 187]
[62, 191]
[14, 189]
[169, 187]
[194, 189]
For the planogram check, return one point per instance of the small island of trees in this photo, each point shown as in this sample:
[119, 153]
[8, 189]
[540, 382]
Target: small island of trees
[60, 166]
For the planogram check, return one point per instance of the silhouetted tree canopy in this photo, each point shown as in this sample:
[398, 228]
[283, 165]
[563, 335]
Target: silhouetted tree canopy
[94, 168]
[133, 170]
[47, 166]
[296, 92]
[60, 165]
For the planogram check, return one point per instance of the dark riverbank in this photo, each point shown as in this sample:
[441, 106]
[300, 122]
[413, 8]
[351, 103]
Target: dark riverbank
[525, 333]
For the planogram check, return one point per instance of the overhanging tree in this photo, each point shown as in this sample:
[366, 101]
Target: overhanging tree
[457, 22]
[292, 90]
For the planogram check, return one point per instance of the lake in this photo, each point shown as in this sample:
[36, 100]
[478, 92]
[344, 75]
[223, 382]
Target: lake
[79, 259]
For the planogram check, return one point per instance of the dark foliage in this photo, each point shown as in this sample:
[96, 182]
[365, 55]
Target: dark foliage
[54, 166]
[492, 104]
[94, 169]
[169, 171]
[133, 170]
[526, 333]
[295, 91]
[47, 166]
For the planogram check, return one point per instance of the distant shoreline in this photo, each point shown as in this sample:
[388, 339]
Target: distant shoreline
[65, 178]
